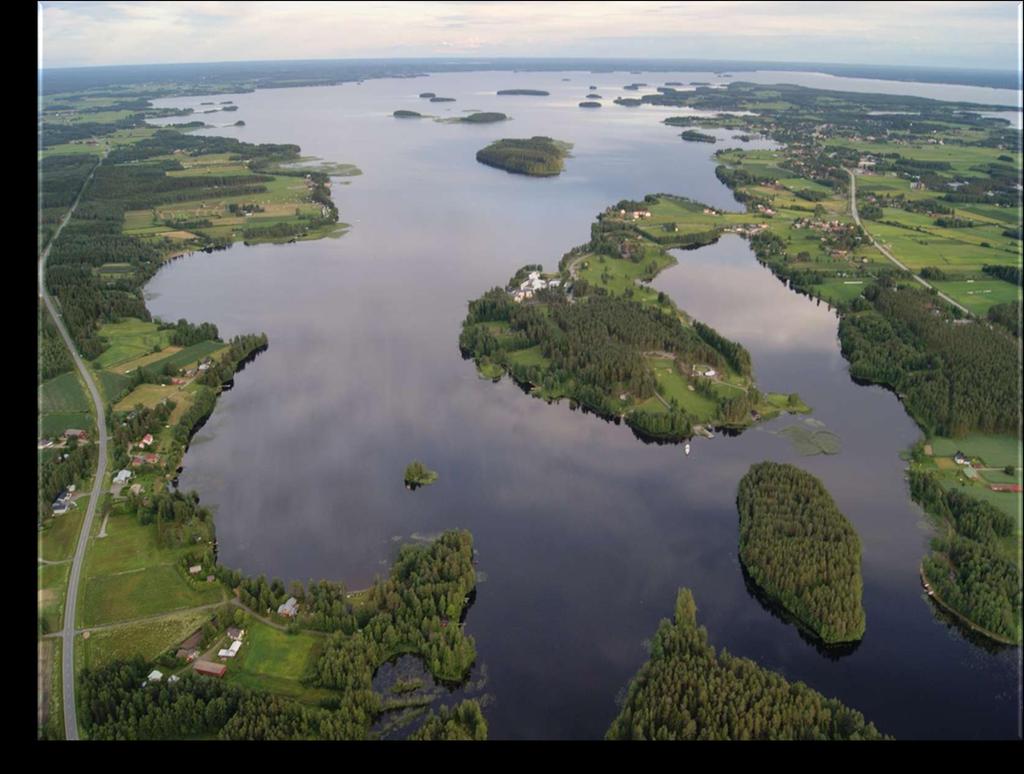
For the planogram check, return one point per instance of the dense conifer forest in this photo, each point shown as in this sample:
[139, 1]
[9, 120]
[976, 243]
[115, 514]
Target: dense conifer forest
[801, 550]
[687, 691]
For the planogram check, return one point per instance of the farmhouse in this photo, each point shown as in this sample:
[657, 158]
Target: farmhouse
[122, 476]
[1005, 487]
[81, 435]
[195, 569]
[155, 676]
[209, 668]
[235, 633]
[289, 608]
[960, 459]
[147, 439]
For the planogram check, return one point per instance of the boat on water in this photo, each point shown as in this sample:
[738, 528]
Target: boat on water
[686, 448]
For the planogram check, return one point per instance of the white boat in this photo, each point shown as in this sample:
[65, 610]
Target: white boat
[686, 448]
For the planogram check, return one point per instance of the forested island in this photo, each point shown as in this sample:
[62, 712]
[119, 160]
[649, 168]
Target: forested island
[483, 118]
[801, 551]
[590, 104]
[407, 114]
[687, 691]
[536, 157]
[524, 92]
[417, 474]
[427, 94]
[592, 333]
[692, 135]
[594, 96]
[442, 99]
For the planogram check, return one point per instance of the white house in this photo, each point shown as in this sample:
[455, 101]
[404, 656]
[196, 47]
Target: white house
[155, 676]
[122, 477]
[289, 608]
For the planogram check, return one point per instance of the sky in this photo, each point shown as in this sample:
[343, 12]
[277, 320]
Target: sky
[952, 34]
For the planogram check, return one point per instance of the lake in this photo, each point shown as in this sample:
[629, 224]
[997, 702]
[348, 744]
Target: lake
[584, 532]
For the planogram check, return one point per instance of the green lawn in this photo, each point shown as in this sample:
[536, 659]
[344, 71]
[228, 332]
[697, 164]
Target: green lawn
[995, 450]
[672, 385]
[271, 660]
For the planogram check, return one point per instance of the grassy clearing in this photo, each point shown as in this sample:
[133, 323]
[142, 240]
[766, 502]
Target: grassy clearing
[51, 425]
[130, 339]
[980, 295]
[146, 638]
[188, 356]
[52, 583]
[146, 360]
[112, 385]
[671, 384]
[273, 661]
[150, 591]
[149, 395]
[58, 538]
[995, 451]
[529, 357]
[50, 660]
[127, 575]
[62, 395]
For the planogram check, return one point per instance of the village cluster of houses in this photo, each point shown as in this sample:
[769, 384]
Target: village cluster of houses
[531, 285]
[749, 230]
[635, 214]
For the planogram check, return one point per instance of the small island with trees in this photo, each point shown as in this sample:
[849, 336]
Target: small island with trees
[801, 550]
[407, 114]
[483, 118]
[523, 93]
[417, 474]
[427, 94]
[687, 691]
[590, 104]
[536, 156]
[692, 135]
[442, 99]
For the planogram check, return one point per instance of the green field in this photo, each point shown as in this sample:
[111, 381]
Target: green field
[130, 339]
[996, 451]
[271, 660]
[127, 575]
[51, 590]
[145, 638]
[188, 356]
[673, 385]
[980, 295]
[112, 385]
[51, 425]
[57, 540]
[63, 395]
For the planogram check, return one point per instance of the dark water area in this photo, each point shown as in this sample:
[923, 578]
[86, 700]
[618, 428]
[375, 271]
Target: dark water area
[584, 533]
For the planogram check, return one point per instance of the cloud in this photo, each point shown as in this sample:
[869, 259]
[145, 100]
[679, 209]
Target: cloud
[125, 32]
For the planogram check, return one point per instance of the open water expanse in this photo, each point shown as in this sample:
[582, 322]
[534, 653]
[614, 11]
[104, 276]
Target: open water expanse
[584, 532]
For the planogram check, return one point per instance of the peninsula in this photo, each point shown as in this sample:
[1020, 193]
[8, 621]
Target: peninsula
[596, 333]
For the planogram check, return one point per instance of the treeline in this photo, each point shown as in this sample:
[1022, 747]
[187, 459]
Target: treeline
[185, 334]
[954, 378]
[240, 349]
[687, 691]
[179, 519]
[1008, 315]
[463, 722]
[966, 568]
[537, 156]
[1010, 274]
[799, 548]
[53, 355]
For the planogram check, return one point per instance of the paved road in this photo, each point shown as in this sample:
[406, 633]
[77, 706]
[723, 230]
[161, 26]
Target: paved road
[68, 634]
[887, 254]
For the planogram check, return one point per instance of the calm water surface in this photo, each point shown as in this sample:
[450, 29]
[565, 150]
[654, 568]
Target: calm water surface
[584, 533]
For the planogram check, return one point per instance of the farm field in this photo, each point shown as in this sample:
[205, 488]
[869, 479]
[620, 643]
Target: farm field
[51, 425]
[130, 339]
[980, 295]
[147, 639]
[127, 575]
[58, 539]
[63, 395]
[52, 582]
[188, 356]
